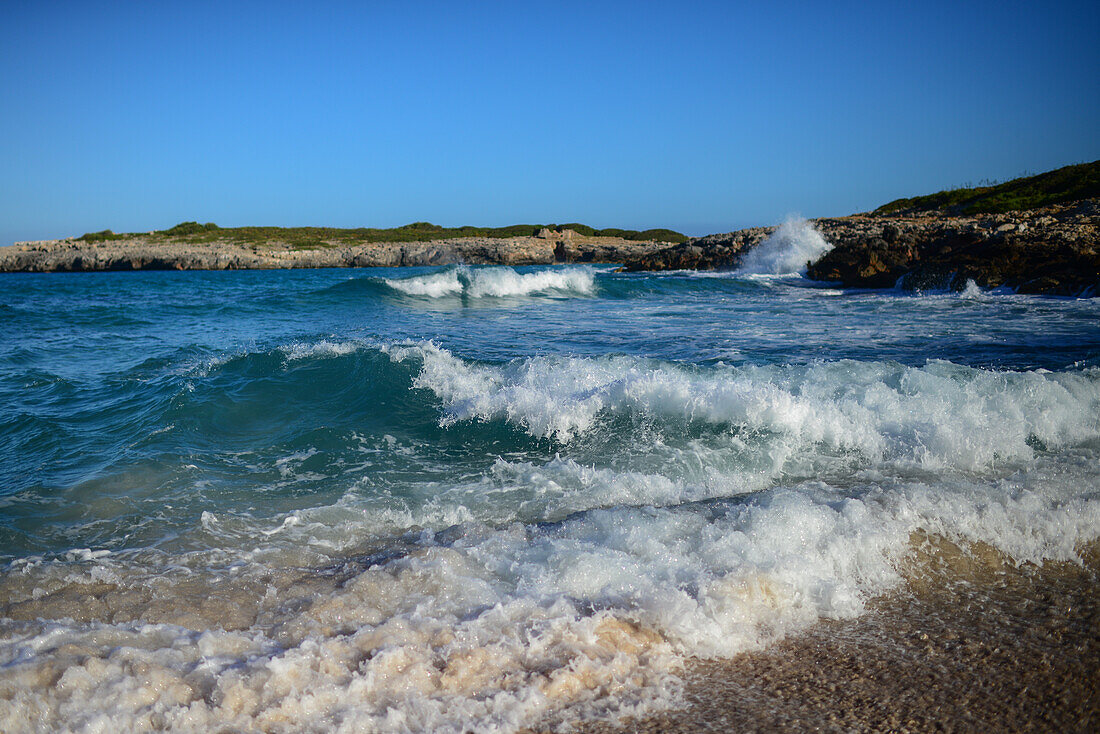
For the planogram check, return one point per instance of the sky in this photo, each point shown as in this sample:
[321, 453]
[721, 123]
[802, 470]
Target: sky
[698, 116]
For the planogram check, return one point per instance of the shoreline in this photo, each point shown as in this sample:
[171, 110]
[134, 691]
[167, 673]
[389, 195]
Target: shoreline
[1053, 250]
[994, 647]
[180, 253]
[1038, 234]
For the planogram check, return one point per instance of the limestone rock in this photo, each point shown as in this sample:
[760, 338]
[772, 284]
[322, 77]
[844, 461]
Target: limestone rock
[1054, 250]
[158, 253]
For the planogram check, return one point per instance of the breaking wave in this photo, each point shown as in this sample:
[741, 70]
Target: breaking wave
[940, 416]
[496, 282]
[483, 628]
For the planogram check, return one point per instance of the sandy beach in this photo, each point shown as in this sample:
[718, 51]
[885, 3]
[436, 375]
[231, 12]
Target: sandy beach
[973, 644]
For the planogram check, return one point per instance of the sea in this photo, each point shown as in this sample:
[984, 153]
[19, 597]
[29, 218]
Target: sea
[486, 498]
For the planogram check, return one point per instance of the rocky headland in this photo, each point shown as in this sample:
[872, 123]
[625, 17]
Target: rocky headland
[1034, 234]
[1053, 250]
[159, 252]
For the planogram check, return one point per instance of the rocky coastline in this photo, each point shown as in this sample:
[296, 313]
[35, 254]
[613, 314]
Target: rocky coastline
[182, 253]
[1051, 250]
[1054, 250]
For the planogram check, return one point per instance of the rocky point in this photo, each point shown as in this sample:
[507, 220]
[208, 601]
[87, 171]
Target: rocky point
[1052, 250]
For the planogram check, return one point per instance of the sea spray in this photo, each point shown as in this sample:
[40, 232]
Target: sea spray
[787, 250]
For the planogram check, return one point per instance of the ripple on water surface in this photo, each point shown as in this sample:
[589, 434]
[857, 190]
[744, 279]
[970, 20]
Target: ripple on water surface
[490, 498]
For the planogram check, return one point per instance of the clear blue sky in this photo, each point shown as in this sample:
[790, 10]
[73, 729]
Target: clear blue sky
[700, 116]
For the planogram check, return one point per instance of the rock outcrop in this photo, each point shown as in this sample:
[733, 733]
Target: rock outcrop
[160, 253]
[1053, 250]
[712, 252]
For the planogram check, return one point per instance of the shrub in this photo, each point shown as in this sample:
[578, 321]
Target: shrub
[105, 234]
[186, 228]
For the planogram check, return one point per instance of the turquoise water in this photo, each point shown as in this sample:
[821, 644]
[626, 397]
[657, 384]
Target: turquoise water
[487, 497]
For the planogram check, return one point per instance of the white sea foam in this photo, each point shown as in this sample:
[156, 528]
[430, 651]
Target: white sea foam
[787, 250]
[322, 348]
[86, 554]
[435, 285]
[938, 416]
[497, 282]
[494, 629]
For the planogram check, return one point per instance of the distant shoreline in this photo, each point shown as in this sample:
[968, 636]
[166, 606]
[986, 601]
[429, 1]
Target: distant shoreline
[1053, 250]
[183, 253]
[1039, 235]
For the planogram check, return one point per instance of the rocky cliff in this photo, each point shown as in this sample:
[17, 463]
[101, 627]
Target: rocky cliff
[160, 253]
[1055, 250]
[712, 252]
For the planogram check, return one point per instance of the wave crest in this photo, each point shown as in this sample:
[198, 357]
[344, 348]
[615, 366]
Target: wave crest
[496, 282]
[941, 415]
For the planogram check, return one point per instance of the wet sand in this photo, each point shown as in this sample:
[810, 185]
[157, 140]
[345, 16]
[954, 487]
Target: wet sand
[971, 644]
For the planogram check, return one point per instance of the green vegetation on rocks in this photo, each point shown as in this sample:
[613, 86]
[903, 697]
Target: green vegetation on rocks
[184, 228]
[102, 236]
[319, 237]
[1070, 183]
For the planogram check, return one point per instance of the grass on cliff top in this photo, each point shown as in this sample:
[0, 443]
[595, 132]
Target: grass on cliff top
[314, 237]
[1071, 183]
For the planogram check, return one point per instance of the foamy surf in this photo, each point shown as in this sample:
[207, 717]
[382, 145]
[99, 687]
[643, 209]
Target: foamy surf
[938, 416]
[474, 619]
[496, 282]
[484, 629]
